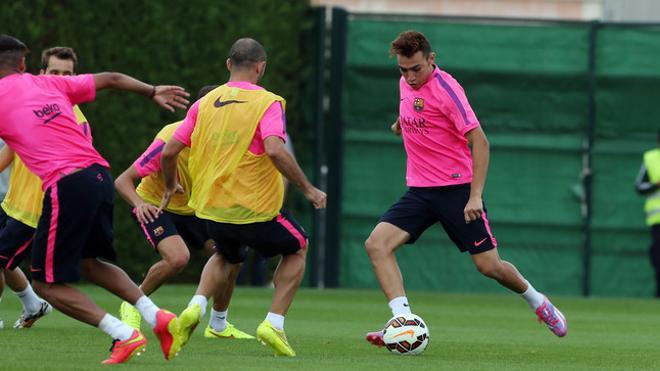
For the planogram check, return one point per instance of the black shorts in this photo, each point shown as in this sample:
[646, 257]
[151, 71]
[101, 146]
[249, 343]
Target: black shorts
[191, 228]
[75, 224]
[421, 207]
[280, 236]
[15, 241]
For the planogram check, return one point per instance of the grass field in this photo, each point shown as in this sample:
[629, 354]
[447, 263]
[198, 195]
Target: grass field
[326, 328]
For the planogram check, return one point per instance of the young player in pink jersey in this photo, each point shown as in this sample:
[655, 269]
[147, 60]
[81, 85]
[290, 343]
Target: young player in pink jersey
[445, 183]
[75, 228]
[19, 211]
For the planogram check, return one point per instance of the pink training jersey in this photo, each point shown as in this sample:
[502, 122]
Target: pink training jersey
[38, 123]
[273, 122]
[434, 121]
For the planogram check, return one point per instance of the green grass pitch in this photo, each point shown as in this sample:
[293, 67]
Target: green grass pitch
[326, 328]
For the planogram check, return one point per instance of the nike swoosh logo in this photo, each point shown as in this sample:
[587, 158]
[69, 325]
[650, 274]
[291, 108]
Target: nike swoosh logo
[218, 103]
[407, 332]
[476, 244]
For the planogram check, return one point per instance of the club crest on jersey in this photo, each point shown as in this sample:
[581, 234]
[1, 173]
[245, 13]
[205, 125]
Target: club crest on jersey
[158, 231]
[418, 104]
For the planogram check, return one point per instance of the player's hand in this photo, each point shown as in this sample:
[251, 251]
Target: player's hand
[146, 213]
[169, 97]
[179, 189]
[317, 197]
[396, 128]
[167, 196]
[473, 209]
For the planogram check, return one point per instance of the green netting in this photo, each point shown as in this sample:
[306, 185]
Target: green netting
[528, 84]
[628, 76]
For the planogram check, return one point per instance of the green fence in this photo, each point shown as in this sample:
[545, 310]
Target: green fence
[555, 99]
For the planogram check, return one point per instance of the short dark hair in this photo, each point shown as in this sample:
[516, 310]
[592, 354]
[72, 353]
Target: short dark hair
[246, 52]
[205, 90]
[60, 52]
[11, 51]
[410, 42]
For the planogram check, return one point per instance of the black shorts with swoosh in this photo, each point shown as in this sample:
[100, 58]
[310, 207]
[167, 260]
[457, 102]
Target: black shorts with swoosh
[421, 207]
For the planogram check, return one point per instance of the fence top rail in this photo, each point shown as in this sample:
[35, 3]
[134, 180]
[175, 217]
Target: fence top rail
[496, 20]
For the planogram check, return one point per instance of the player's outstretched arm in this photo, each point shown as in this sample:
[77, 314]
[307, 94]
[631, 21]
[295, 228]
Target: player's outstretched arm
[125, 186]
[166, 96]
[168, 160]
[6, 157]
[287, 165]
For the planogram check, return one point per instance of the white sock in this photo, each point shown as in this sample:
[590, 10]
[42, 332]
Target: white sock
[31, 302]
[200, 300]
[533, 297]
[276, 320]
[147, 309]
[115, 328]
[399, 305]
[218, 320]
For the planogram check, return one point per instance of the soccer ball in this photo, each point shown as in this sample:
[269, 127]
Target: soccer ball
[406, 334]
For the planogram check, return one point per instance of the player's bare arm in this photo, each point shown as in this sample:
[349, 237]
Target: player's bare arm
[168, 159]
[125, 186]
[6, 157]
[480, 157]
[287, 165]
[166, 96]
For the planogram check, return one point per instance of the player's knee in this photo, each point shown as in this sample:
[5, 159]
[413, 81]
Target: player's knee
[181, 261]
[375, 248]
[178, 260]
[489, 268]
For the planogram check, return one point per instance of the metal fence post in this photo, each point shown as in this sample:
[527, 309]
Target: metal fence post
[587, 179]
[334, 146]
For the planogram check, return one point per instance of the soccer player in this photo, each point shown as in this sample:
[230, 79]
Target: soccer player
[174, 230]
[75, 227]
[445, 181]
[237, 157]
[21, 207]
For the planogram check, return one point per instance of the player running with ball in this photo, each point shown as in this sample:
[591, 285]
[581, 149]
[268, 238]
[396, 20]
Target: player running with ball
[445, 182]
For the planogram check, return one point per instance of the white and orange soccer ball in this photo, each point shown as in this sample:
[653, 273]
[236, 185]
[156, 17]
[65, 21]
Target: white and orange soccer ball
[406, 334]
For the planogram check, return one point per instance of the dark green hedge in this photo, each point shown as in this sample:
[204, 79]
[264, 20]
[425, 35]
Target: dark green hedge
[167, 42]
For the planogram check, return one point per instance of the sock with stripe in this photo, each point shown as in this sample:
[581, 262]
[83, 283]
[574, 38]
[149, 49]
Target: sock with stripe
[399, 305]
[218, 320]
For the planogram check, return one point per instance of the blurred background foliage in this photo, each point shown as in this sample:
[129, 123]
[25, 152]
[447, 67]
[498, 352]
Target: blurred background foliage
[165, 42]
